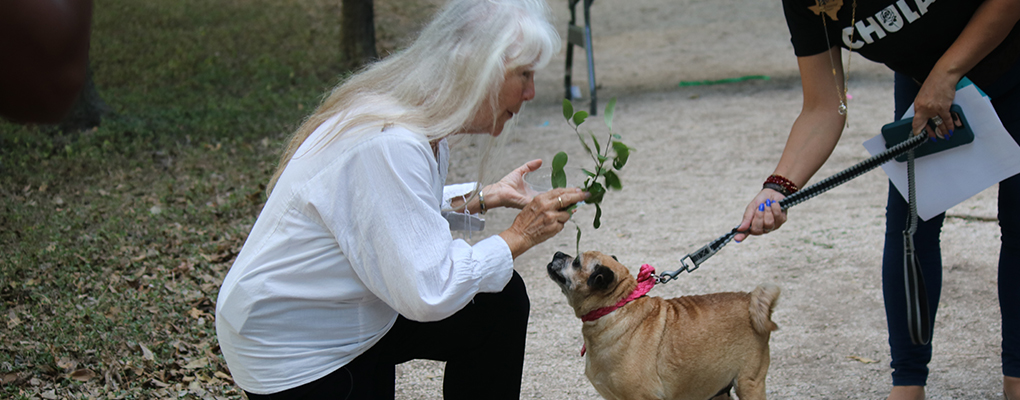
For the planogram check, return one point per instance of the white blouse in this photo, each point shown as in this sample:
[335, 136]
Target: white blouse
[352, 235]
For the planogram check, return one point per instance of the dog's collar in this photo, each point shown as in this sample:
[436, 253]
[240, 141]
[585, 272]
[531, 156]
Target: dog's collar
[645, 282]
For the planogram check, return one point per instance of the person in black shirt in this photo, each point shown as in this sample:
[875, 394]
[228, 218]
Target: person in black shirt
[930, 45]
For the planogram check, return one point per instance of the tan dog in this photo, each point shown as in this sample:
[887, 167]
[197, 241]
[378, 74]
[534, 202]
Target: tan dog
[686, 348]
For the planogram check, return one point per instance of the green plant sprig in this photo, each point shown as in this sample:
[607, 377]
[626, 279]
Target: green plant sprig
[615, 154]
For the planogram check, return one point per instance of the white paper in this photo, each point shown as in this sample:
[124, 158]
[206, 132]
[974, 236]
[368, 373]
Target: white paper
[947, 178]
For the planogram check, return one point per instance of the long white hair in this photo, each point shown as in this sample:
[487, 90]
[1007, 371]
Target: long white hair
[443, 79]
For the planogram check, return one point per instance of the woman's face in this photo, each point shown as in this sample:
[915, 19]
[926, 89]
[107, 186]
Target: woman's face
[518, 87]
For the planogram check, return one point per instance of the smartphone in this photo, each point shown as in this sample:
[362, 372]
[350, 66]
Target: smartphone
[899, 131]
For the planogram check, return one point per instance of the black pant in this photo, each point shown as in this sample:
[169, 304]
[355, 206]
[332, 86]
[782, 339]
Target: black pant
[482, 345]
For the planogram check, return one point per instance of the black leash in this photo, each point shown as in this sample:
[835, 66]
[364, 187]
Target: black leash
[917, 301]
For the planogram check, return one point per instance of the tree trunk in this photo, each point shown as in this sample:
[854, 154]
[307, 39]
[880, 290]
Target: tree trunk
[357, 33]
[88, 110]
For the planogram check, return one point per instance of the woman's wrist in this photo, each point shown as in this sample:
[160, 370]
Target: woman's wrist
[515, 242]
[780, 184]
[487, 199]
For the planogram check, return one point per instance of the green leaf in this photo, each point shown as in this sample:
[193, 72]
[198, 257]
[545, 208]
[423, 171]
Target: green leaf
[617, 136]
[622, 154]
[609, 113]
[602, 158]
[598, 216]
[559, 177]
[613, 181]
[568, 109]
[579, 117]
[597, 192]
[559, 160]
[587, 172]
[598, 149]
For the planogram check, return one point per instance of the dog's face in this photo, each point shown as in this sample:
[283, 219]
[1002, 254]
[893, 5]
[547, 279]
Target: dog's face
[591, 281]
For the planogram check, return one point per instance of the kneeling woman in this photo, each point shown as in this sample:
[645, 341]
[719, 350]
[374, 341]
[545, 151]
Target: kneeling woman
[351, 267]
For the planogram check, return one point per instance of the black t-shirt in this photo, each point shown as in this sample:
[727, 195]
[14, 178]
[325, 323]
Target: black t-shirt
[908, 36]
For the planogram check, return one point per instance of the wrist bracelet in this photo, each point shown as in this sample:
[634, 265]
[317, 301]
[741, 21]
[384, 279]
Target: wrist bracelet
[788, 186]
[777, 187]
[481, 201]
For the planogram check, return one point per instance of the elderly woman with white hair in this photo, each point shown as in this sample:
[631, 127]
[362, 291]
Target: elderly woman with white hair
[351, 267]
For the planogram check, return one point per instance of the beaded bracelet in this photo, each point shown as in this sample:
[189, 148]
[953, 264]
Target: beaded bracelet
[786, 187]
[777, 187]
[481, 201]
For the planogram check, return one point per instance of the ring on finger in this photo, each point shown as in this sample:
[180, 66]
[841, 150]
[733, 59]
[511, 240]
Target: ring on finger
[560, 199]
[937, 120]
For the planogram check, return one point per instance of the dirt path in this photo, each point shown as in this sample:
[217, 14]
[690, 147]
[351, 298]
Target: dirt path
[700, 154]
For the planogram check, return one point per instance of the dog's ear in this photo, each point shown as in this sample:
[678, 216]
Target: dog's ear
[614, 257]
[601, 278]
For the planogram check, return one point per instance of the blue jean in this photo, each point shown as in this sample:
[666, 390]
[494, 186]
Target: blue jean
[910, 361]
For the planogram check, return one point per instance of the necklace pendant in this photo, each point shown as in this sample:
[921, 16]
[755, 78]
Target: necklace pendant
[842, 108]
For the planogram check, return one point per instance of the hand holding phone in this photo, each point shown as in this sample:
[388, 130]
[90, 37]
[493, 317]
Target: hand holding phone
[896, 132]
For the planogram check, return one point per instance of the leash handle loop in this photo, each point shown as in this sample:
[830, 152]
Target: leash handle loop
[918, 323]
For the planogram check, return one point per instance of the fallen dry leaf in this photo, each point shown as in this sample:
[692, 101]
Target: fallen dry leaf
[223, 375]
[12, 320]
[83, 375]
[13, 376]
[158, 383]
[862, 359]
[65, 363]
[196, 313]
[146, 353]
[196, 363]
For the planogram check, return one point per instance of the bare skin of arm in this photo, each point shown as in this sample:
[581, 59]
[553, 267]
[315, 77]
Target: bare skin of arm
[813, 137]
[44, 45]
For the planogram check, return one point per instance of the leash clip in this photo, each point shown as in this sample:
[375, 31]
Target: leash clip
[698, 257]
[667, 276]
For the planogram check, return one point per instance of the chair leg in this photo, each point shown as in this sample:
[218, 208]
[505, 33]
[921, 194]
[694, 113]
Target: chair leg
[568, 74]
[591, 56]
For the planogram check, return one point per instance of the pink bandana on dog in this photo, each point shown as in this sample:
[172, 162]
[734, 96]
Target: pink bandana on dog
[645, 282]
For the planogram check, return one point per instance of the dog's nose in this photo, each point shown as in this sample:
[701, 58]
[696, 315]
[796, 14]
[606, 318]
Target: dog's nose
[560, 255]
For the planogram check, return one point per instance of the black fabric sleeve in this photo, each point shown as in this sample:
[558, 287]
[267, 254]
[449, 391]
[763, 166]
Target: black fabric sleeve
[806, 28]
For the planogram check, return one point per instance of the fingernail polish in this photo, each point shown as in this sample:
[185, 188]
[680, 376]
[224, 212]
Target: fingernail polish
[932, 139]
[768, 202]
[950, 133]
[761, 207]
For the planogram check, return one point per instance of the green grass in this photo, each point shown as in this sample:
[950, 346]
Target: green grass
[114, 241]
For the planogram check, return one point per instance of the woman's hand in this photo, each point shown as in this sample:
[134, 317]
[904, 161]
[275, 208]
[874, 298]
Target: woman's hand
[512, 191]
[933, 100]
[541, 219]
[762, 215]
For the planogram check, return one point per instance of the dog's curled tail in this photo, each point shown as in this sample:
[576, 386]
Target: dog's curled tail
[763, 301]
